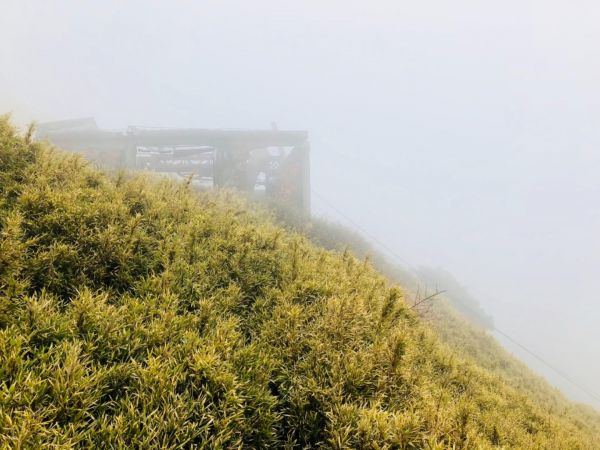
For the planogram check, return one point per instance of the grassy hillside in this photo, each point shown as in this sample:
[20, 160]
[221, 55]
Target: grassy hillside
[457, 319]
[135, 313]
[474, 344]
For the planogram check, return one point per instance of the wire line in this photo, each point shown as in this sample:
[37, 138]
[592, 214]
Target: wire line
[361, 229]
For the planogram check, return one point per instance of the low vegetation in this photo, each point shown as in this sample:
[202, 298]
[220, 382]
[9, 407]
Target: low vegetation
[456, 317]
[136, 313]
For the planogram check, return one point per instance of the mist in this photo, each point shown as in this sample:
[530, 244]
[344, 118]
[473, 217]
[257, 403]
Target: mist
[464, 135]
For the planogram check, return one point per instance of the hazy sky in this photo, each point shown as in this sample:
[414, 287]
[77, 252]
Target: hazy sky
[464, 134]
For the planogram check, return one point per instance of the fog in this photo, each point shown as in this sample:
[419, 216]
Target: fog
[462, 134]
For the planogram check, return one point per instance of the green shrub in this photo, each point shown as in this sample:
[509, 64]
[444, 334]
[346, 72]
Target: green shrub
[135, 313]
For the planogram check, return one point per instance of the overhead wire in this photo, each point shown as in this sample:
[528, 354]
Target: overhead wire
[361, 229]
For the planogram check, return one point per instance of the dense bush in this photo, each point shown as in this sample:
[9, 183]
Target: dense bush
[135, 313]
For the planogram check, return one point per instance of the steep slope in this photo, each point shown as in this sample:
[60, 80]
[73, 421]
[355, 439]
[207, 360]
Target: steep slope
[473, 343]
[465, 334]
[135, 313]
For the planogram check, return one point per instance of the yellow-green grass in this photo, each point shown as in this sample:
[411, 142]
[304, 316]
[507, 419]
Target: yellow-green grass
[137, 313]
[457, 319]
